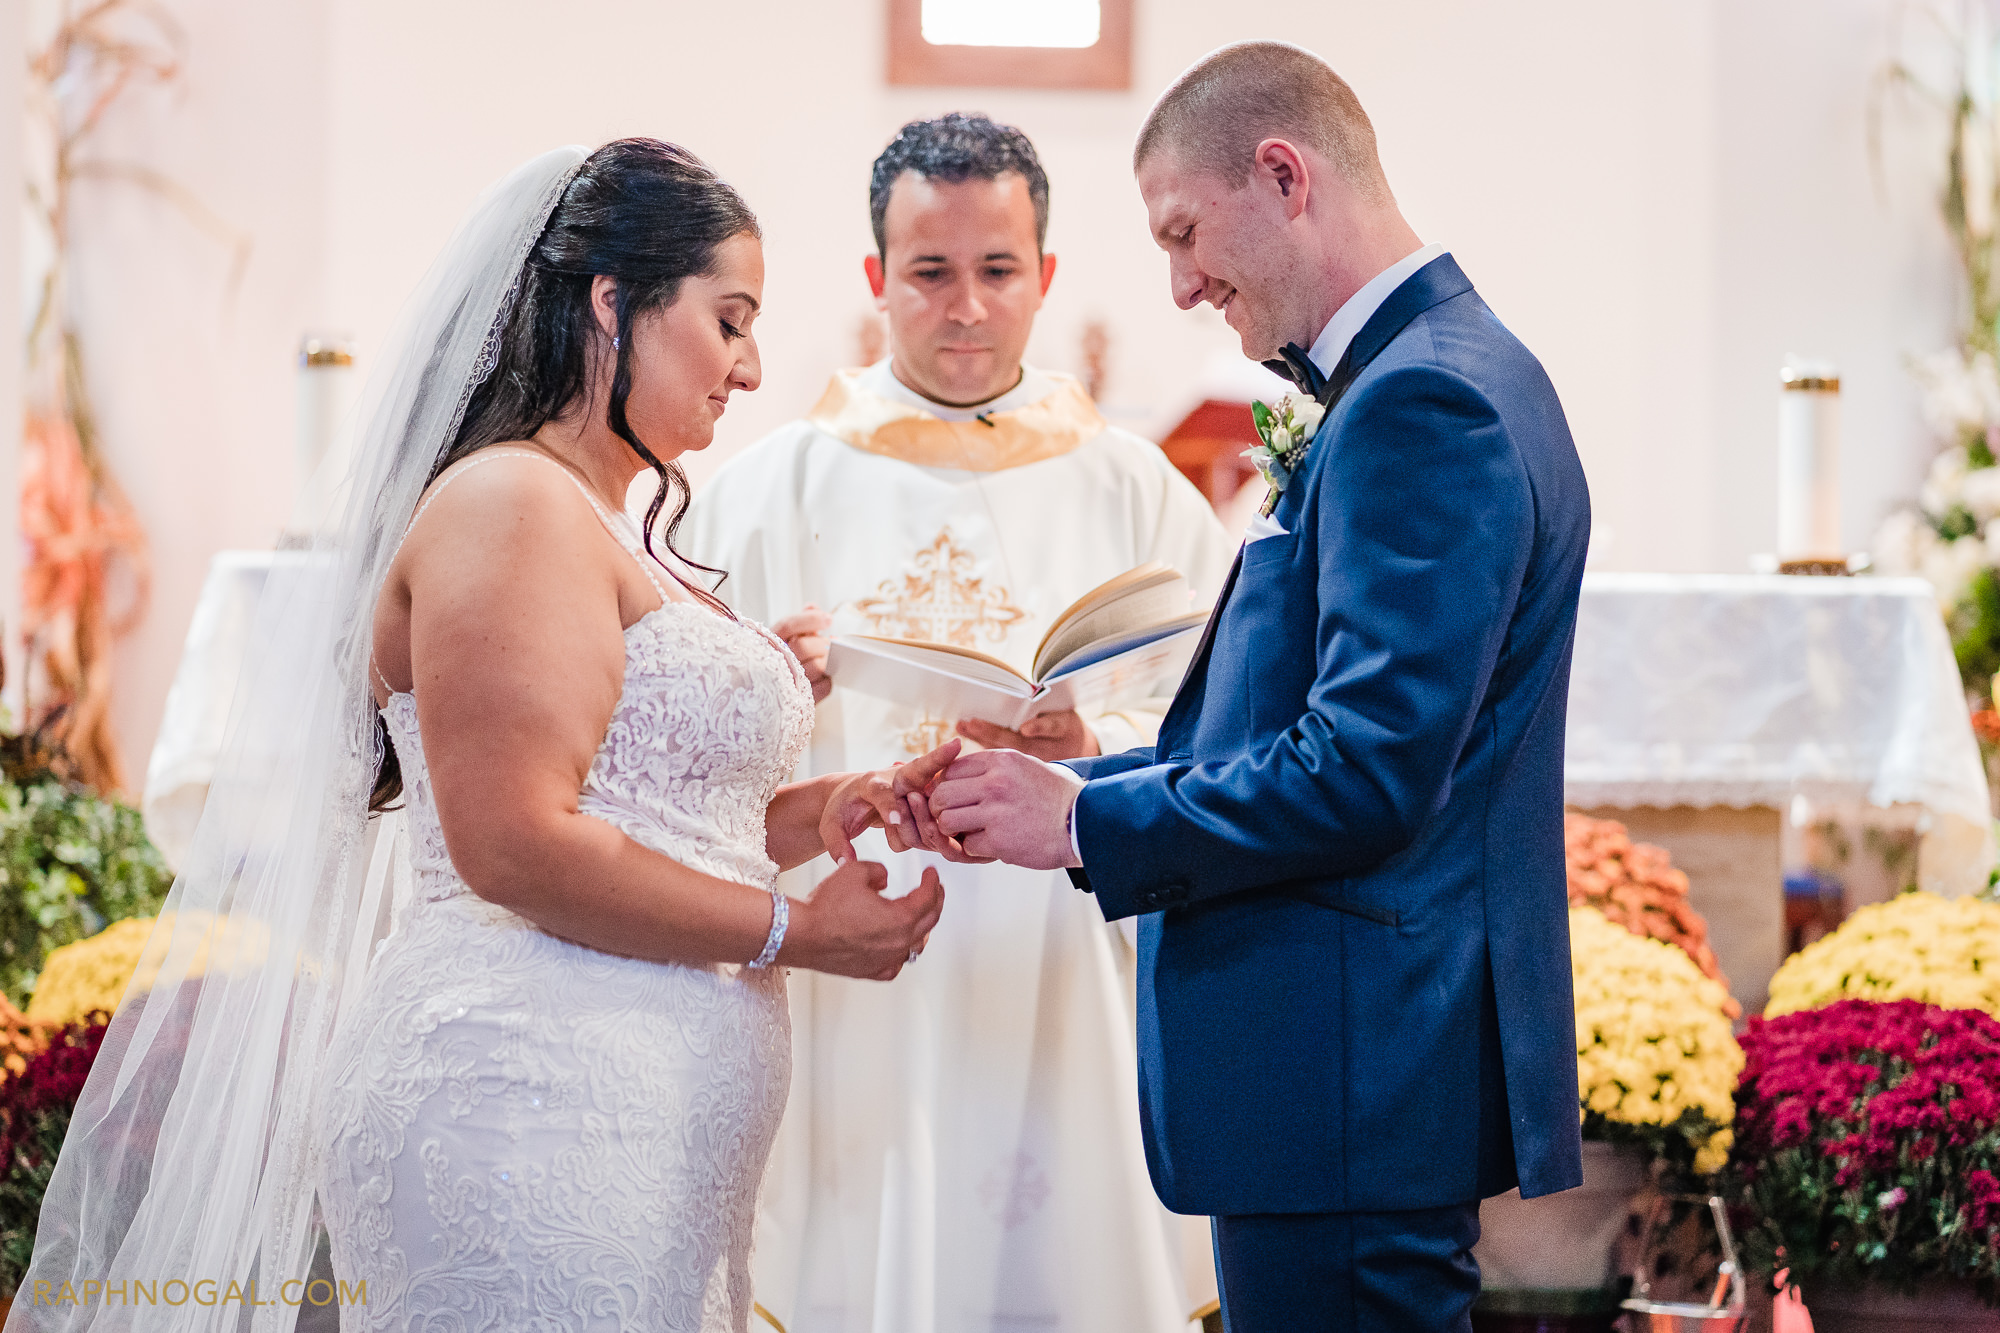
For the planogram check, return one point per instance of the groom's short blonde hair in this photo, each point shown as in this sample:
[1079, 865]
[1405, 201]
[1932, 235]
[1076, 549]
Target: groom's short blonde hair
[1213, 116]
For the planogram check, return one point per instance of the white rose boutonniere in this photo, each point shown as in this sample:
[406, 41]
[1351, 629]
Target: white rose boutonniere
[1287, 431]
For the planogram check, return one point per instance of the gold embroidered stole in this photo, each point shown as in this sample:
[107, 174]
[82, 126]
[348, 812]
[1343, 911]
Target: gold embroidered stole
[1046, 429]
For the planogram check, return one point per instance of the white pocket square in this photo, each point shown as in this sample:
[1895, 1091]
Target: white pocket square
[1261, 527]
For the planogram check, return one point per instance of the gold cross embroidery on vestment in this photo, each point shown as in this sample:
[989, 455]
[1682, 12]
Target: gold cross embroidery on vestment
[938, 598]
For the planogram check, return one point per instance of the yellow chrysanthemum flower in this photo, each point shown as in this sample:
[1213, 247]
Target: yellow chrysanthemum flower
[1917, 946]
[1653, 1037]
[92, 974]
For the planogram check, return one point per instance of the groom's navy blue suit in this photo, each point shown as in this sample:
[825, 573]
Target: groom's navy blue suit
[1355, 1017]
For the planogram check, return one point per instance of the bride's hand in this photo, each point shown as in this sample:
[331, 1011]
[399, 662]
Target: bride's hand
[848, 928]
[881, 799]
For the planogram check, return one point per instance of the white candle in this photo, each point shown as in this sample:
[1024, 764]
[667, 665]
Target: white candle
[325, 394]
[1809, 463]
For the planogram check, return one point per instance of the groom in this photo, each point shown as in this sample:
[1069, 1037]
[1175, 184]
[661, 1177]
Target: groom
[1355, 1017]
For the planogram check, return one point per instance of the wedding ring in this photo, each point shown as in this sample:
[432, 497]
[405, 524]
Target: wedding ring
[913, 956]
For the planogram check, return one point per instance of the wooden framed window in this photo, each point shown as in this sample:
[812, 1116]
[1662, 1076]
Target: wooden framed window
[1011, 43]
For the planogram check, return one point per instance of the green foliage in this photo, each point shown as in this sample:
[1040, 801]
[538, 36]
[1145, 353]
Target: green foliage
[1975, 631]
[71, 863]
[37, 1102]
[1978, 450]
[1956, 522]
[1670, 1147]
[23, 1184]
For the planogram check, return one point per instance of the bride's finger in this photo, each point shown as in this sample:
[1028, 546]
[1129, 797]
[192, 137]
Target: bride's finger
[872, 804]
[840, 824]
[839, 845]
[979, 847]
[896, 823]
[933, 909]
[926, 901]
[935, 838]
[919, 773]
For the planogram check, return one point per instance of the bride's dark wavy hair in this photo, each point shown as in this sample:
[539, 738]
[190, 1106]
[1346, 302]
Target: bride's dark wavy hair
[650, 215]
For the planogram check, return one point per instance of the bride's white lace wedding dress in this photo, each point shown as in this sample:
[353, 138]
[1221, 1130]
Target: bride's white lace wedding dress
[527, 1134]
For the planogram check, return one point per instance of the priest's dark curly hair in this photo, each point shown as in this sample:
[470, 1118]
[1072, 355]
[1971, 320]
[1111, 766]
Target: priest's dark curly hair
[954, 148]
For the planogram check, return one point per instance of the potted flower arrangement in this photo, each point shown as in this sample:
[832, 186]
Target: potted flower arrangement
[1656, 1065]
[71, 862]
[1950, 536]
[35, 1109]
[1916, 946]
[1636, 886]
[1867, 1162]
[1656, 1060]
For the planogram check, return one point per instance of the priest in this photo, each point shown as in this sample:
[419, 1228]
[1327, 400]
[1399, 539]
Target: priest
[961, 1149]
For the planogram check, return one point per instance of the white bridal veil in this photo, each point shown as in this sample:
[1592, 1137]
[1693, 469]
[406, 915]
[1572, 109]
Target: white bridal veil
[194, 1151]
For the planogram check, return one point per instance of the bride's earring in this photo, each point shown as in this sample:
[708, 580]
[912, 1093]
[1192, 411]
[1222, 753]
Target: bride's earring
[614, 344]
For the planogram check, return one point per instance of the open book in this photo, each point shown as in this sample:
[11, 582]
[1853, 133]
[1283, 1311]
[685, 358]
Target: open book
[1122, 641]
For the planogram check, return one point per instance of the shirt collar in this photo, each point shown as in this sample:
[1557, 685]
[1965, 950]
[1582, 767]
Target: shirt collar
[1349, 320]
[1033, 387]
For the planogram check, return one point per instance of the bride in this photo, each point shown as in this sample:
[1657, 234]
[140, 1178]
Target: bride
[519, 1046]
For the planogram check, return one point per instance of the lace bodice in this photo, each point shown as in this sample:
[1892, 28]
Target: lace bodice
[714, 714]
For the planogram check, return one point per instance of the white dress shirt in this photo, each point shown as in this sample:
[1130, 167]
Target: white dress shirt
[1358, 309]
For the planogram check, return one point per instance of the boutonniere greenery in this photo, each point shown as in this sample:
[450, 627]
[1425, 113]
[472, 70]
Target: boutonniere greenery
[1287, 432]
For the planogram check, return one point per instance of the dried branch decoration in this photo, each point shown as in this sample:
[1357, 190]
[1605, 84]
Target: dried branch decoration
[87, 576]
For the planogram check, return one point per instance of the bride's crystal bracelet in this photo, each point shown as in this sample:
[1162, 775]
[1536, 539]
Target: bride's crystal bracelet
[781, 916]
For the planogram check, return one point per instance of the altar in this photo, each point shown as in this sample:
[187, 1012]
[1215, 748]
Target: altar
[1707, 709]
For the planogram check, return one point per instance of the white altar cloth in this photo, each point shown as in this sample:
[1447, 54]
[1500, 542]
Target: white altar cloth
[197, 712]
[1746, 690]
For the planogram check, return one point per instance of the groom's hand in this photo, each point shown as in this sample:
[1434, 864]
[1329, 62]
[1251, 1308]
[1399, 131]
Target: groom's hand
[1008, 806]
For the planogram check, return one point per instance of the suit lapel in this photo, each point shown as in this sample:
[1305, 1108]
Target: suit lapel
[1431, 285]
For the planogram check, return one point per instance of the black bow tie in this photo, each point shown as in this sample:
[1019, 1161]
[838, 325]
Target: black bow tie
[1295, 363]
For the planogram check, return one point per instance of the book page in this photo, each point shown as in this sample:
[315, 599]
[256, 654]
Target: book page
[947, 683]
[1117, 644]
[1153, 667]
[1150, 595]
[950, 659]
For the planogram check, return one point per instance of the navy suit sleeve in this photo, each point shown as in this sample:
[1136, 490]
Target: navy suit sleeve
[1422, 520]
[1103, 765]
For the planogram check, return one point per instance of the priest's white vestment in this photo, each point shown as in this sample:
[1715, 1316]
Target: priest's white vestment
[961, 1150]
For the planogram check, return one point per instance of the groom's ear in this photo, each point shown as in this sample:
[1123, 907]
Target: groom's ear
[1279, 166]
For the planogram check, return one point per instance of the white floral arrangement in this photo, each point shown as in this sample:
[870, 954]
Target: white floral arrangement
[1952, 536]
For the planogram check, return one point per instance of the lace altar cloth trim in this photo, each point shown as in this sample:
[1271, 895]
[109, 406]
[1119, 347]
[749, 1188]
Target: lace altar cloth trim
[1740, 690]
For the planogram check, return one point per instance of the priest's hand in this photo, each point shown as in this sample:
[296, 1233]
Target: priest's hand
[804, 632]
[1004, 805]
[1052, 736]
[884, 799]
